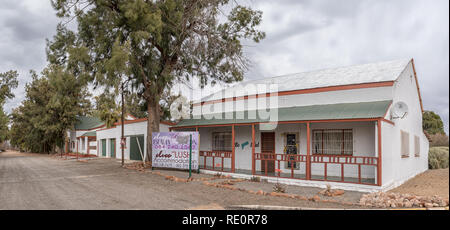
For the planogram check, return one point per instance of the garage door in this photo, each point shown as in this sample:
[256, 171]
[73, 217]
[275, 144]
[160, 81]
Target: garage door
[112, 147]
[135, 153]
[104, 147]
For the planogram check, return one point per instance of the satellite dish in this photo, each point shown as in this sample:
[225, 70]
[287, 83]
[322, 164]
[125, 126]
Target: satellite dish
[399, 110]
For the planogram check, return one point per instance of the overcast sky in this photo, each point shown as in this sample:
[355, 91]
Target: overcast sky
[302, 35]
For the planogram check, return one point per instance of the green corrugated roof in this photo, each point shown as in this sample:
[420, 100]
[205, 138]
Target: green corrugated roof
[88, 123]
[90, 134]
[303, 113]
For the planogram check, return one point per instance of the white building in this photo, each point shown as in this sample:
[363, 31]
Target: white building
[83, 137]
[135, 132]
[334, 126]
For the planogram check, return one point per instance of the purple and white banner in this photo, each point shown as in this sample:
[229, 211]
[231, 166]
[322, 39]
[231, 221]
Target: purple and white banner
[171, 150]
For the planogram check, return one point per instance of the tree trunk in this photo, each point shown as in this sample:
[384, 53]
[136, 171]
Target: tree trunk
[152, 124]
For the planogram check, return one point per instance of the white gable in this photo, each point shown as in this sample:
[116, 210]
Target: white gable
[357, 74]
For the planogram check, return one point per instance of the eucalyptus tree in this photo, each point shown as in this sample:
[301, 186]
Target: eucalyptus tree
[158, 43]
[52, 103]
[8, 82]
[107, 109]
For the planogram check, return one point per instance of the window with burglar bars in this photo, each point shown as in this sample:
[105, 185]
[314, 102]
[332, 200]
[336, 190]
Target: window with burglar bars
[333, 142]
[222, 141]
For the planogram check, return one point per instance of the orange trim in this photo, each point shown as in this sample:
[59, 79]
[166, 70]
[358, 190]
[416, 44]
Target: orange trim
[308, 151]
[302, 91]
[97, 127]
[417, 83]
[253, 150]
[129, 114]
[143, 119]
[233, 157]
[379, 175]
[330, 120]
[168, 123]
[107, 128]
[131, 121]
[387, 110]
[137, 121]
[283, 122]
[388, 121]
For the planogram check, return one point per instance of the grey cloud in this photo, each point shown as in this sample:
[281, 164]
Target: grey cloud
[358, 32]
[24, 26]
[302, 35]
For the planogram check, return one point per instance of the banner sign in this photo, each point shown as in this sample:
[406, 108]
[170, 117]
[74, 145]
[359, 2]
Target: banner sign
[171, 150]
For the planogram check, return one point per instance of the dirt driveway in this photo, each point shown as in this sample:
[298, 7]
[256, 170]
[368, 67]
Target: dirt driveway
[33, 181]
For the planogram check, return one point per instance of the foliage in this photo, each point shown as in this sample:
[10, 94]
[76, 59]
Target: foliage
[8, 82]
[107, 109]
[135, 105]
[432, 123]
[279, 188]
[438, 157]
[155, 44]
[4, 121]
[51, 106]
[439, 139]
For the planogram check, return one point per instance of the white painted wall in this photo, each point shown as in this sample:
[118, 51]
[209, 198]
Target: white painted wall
[363, 145]
[396, 169]
[93, 144]
[331, 97]
[138, 128]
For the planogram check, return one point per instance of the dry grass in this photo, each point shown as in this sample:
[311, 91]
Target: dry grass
[429, 183]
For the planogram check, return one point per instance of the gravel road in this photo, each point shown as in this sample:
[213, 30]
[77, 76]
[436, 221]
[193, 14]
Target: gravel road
[34, 181]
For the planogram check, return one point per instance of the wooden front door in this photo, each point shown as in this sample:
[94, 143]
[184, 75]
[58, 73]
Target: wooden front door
[267, 147]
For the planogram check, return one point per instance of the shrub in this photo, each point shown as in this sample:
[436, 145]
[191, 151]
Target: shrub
[279, 188]
[438, 158]
[439, 139]
[255, 179]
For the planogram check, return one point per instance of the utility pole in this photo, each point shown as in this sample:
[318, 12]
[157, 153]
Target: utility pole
[122, 141]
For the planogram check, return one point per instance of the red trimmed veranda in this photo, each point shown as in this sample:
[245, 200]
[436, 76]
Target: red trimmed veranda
[311, 154]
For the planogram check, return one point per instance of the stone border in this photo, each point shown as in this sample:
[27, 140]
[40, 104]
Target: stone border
[271, 207]
[398, 200]
[304, 183]
[228, 185]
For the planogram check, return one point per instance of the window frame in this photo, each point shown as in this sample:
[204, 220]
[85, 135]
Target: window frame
[213, 144]
[416, 146]
[342, 143]
[404, 136]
